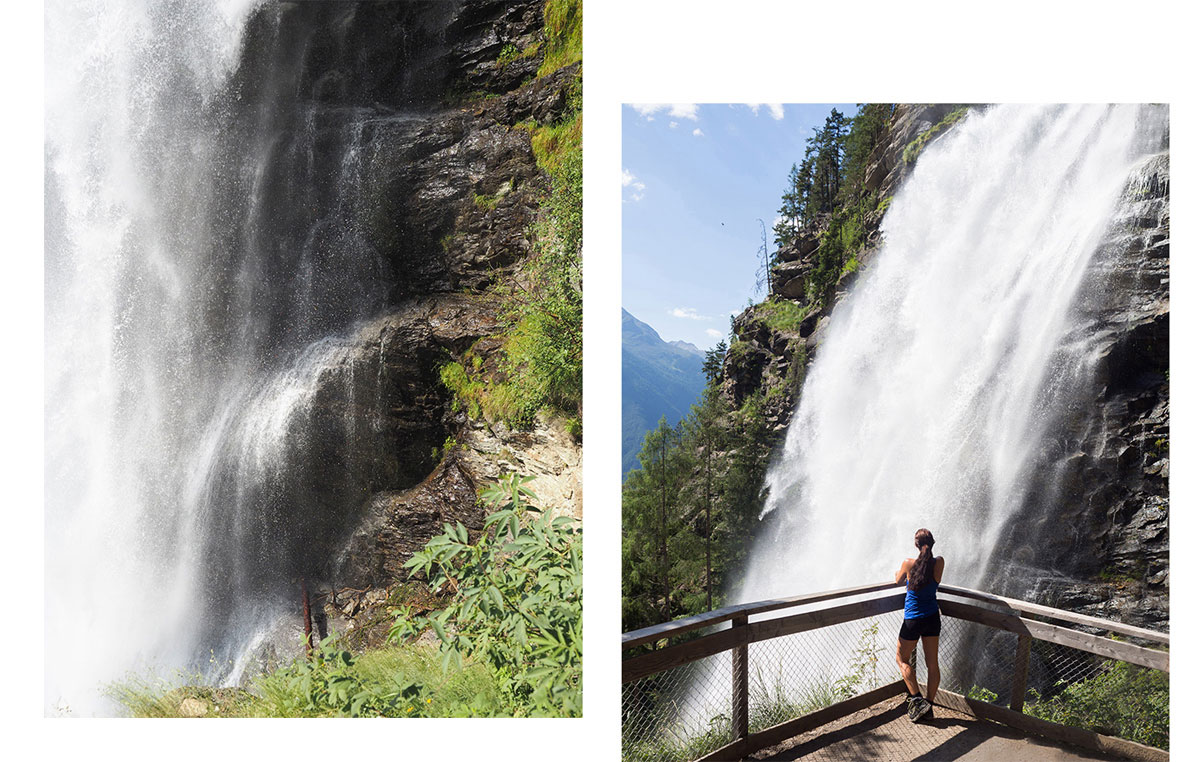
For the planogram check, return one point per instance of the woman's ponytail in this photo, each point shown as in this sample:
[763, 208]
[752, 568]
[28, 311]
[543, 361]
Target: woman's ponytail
[922, 571]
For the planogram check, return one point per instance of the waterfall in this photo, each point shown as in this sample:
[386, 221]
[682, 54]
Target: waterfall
[939, 379]
[206, 268]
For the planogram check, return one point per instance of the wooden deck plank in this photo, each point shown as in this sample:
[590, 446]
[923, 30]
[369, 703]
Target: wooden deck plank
[883, 732]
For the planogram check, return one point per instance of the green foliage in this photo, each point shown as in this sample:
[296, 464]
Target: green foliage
[330, 685]
[404, 681]
[814, 184]
[782, 315]
[979, 693]
[914, 148]
[739, 352]
[554, 144]
[517, 600]
[772, 701]
[545, 315]
[689, 512]
[867, 128]
[670, 747]
[830, 182]
[487, 202]
[714, 361]
[840, 246]
[147, 697]
[1125, 701]
[864, 667]
[510, 53]
[564, 34]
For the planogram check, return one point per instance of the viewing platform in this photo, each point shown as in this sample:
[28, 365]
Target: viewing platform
[814, 677]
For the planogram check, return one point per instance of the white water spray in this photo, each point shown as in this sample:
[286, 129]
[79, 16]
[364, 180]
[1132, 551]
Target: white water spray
[193, 312]
[932, 390]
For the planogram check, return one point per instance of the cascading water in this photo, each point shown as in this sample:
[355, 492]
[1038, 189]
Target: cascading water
[940, 374]
[206, 265]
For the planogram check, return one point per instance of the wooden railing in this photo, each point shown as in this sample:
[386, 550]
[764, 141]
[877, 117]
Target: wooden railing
[984, 608]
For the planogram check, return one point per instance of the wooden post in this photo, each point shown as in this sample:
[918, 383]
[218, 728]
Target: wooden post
[307, 619]
[741, 685]
[1020, 673]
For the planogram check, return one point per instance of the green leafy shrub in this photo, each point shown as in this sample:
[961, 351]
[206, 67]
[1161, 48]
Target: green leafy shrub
[517, 603]
[297, 690]
[330, 685]
[1125, 701]
[979, 693]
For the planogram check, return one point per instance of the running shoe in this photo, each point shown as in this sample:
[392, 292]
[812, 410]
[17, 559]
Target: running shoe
[914, 707]
[923, 707]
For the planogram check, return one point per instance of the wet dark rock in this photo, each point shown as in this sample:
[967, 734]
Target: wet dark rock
[397, 524]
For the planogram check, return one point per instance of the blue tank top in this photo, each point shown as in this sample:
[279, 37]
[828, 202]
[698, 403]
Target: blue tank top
[923, 602]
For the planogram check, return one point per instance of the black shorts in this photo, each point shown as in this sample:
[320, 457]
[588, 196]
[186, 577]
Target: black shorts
[912, 629]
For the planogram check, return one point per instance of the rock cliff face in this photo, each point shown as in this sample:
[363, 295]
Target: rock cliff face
[438, 97]
[771, 348]
[1104, 548]
[1109, 459]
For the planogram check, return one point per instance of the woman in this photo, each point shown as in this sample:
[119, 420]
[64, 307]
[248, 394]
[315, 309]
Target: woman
[922, 621]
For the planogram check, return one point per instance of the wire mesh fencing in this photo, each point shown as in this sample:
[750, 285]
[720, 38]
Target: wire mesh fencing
[679, 714]
[1116, 698]
[1063, 685]
[686, 712]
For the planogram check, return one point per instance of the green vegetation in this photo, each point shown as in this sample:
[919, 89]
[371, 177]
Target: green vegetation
[564, 34]
[510, 53]
[392, 681]
[840, 247]
[913, 149]
[782, 315]
[833, 169]
[772, 701]
[688, 513]
[1125, 701]
[510, 637]
[979, 693]
[829, 185]
[517, 601]
[489, 201]
[541, 363]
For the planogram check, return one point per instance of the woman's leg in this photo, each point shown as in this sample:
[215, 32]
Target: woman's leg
[904, 651]
[930, 644]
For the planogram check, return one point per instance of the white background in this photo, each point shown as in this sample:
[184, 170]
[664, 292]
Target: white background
[635, 52]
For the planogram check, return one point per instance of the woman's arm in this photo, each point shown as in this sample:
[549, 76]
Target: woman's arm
[905, 565]
[939, 565]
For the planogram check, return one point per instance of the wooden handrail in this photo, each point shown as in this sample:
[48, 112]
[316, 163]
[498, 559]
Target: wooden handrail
[1059, 614]
[717, 616]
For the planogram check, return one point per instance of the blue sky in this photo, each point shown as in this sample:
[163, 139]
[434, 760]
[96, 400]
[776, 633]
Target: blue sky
[696, 179]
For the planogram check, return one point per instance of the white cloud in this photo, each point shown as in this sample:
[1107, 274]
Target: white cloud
[686, 111]
[687, 312]
[673, 125]
[677, 110]
[636, 187]
[776, 109]
[713, 332]
[698, 132]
